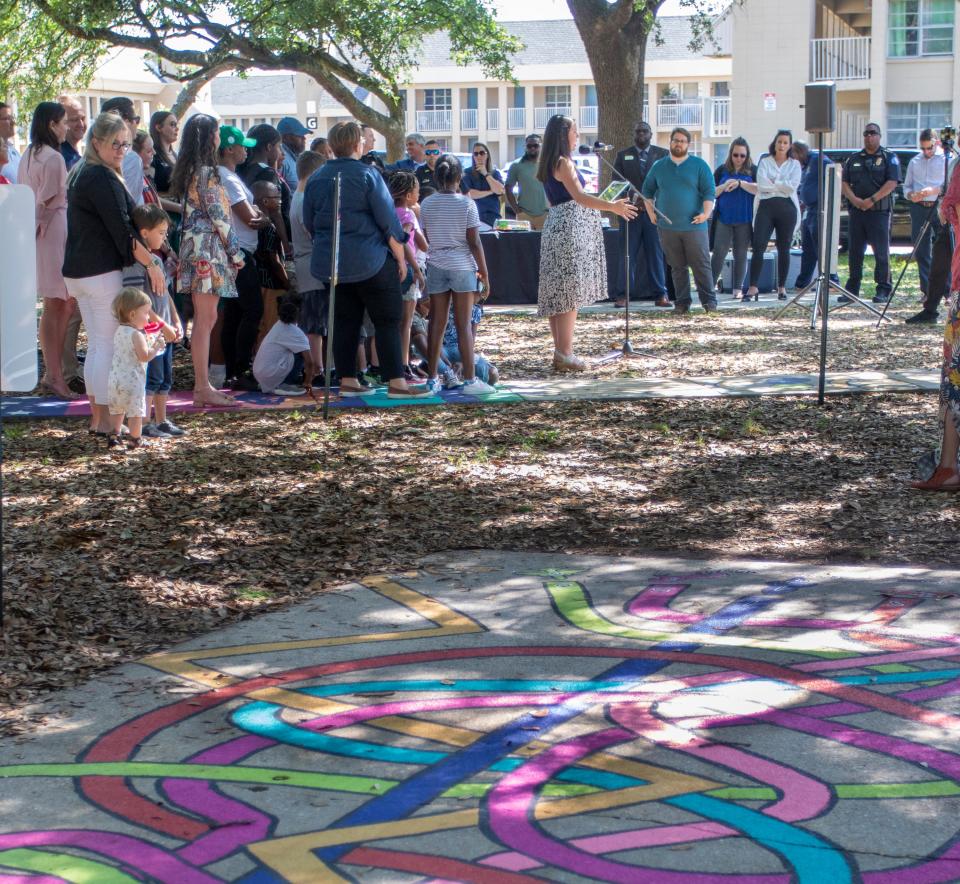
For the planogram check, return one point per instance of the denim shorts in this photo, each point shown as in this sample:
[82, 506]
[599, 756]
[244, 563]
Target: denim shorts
[440, 281]
[160, 372]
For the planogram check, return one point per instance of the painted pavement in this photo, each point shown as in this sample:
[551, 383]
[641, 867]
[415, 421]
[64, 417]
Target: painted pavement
[512, 718]
[551, 390]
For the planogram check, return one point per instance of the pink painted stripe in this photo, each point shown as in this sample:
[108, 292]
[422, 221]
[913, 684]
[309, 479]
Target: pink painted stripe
[653, 604]
[133, 852]
[878, 659]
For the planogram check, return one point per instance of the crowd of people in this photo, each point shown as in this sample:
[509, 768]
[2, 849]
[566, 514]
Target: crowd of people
[146, 233]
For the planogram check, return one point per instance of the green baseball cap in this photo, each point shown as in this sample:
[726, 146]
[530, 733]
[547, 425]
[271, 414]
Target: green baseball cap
[231, 136]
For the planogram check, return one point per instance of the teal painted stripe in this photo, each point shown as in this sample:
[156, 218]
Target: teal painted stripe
[899, 677]
[813, 860]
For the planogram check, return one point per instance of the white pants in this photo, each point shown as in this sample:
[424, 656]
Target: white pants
[95, 296]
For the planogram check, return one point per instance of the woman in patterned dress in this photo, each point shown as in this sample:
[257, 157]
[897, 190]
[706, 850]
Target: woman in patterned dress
[210, 255]
[573, 267]
[946, 476]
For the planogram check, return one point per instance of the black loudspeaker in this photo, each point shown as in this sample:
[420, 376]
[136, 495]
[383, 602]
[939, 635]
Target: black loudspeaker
[820, 103]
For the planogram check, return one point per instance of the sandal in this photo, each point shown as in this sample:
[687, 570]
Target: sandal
[213, 399]
[114, 443]
[135, 442]
[68, 396]
[938, 481]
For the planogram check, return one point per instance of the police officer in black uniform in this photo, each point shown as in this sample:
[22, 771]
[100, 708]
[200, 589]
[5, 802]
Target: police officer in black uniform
[869, 179]
[632, 165]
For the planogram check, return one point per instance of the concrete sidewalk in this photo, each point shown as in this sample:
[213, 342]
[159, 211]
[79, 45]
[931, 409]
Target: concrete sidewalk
[497, 717]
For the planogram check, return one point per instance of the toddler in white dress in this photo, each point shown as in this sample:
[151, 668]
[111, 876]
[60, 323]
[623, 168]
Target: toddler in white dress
[133, 348]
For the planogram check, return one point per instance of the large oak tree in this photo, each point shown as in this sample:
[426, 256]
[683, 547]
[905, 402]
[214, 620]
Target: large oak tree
[350, 47]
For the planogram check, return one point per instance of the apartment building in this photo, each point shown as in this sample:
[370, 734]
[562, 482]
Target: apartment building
[894, 62]
[459, 106]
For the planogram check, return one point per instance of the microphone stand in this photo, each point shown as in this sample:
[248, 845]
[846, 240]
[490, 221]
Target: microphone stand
[626, 350]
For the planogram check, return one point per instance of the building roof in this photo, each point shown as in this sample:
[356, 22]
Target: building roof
[543, 39]
[232, 91]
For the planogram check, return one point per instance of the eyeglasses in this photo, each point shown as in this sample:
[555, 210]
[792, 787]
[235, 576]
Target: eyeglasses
[870, 132]
[739, 156]
[679, 141]
[479, 153]
[121, 145]
[432, 152]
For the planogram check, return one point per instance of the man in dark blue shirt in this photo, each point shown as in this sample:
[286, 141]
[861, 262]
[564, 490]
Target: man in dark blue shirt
[71, 149]
[808, 194]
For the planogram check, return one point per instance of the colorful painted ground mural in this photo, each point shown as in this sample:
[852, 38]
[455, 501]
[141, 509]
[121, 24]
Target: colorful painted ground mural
[517, 718]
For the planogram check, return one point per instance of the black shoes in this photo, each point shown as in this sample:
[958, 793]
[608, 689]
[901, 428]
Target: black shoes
[923, 318]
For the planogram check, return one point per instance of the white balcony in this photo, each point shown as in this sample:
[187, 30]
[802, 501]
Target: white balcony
[433, 120]
[716, 119]
[589, 117]
[493, 119]
[517, 119]
[542, 114]
[680, 114]
[840, 58]
[469, 118]
[645, 113]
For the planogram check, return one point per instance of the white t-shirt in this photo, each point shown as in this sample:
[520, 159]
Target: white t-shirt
[446, 218]
[237, 192]
[13, 163]
[302, 247]
[274, 359]
[133, 175]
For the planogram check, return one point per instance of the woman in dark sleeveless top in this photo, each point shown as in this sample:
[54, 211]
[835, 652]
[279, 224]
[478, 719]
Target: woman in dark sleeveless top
[573, 267]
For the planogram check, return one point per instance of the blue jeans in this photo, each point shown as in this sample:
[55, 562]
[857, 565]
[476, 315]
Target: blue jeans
[809, 238]
[160, 372]
[646, 260]
[918, 215]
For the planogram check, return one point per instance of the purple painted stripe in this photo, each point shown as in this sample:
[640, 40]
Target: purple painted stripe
[133, 852]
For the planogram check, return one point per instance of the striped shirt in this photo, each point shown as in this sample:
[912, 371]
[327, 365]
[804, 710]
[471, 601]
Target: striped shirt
[446, 218]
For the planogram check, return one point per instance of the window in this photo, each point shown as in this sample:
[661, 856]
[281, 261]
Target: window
[590, 96]
[557, 96]
[437, 99]
[679, 93]
[905, 120]
[920, 27]
[469, 99]
[720, 89]
[519, 96]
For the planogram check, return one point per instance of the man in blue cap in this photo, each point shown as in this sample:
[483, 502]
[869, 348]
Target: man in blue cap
[293, 141]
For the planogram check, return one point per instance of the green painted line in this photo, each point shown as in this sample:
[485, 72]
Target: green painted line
[573, 605]
[551, 790]
[745, 793]
[219, 772]
[892, 667]
[69, 868]
[929, 789]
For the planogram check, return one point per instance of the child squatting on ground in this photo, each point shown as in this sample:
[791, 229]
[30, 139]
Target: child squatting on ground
[280, 347]
[132, 350]
[152, 223]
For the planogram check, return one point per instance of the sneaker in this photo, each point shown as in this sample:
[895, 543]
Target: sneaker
[289, 390]
[411, 393]
[476, 387]
[681, 309]
[245, 382]
[372, 376]
[709, 307]
[451, 382]
[366, 379]
[170, 428]
[922, 318]
[881, 299]
[433, 385]
[844, 299]
[152, 431]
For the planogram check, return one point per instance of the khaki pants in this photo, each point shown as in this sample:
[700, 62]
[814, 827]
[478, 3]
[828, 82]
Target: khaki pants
[536, 221]
[69, 361]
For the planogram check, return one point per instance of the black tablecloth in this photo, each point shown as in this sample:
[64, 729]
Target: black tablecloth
[513, 261]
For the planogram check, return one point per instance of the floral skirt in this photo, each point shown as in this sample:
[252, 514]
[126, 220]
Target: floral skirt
[573, 264]
[205, 268]
[950, 374]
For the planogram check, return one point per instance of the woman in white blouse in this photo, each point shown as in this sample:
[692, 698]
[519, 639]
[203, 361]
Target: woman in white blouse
[777, 209]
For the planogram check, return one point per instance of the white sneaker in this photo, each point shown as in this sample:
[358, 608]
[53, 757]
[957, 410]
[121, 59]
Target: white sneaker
[476, 387]
[289, 390]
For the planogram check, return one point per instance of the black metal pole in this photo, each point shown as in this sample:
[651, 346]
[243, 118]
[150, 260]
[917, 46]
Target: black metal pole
[826, 255]
[334, 272]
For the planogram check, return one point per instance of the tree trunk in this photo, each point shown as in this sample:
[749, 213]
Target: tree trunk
[188, 94]
[396, 138]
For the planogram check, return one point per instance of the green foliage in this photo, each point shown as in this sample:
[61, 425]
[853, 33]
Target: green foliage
[38, 59]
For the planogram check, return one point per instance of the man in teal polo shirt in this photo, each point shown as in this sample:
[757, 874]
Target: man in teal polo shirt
[682, 188]
[531, 205]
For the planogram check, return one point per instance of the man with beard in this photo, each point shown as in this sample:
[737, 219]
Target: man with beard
[682, 188]
[632, 165]
[531, 204]
[431, 152]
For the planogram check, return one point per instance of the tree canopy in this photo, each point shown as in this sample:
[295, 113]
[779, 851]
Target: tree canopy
[350, 47]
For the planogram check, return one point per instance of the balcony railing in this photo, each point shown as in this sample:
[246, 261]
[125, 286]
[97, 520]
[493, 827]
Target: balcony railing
[493, 118]
[433, 120]
[716, 122]
[645, 113]
[542, 114]
[468, 119]
[840, 58]
[685, 114]
[588, 117]
[516, 118]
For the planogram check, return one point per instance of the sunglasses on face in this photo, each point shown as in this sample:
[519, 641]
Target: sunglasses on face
[432, 152]
[739, 156]
[479, 153]
[870, 132]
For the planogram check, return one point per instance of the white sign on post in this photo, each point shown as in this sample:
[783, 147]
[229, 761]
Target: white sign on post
[769, 101]
[18, 289]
